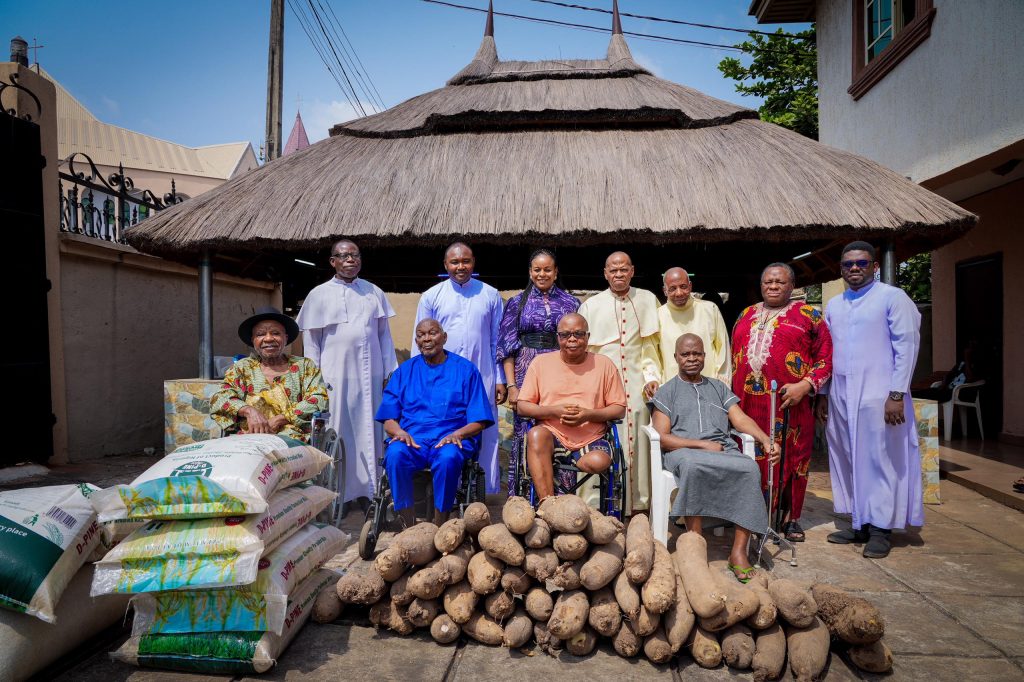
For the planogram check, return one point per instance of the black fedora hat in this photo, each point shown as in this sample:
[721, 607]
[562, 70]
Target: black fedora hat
[267, 313]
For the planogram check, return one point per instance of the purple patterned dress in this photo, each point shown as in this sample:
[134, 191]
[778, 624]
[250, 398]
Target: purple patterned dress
[541, 313]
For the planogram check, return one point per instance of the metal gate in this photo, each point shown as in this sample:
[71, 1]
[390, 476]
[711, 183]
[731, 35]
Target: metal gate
[25, 358]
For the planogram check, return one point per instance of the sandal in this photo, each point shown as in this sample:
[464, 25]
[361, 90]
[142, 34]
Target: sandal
[742, 574]
[793, 532]
[1018, 485]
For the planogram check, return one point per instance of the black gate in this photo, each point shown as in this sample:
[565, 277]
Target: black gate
[25, 358]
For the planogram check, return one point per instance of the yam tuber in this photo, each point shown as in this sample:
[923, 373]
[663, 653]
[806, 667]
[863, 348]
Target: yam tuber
[515, 580]
[604, 562]
[459, 601]
[691, 559]
[678, 620]
[450, 535]
[850, 618]
[499, 543]
[518, 630]
[327, 607]
[626, 642]
[582, 643]
[429, 582]
[499, 605]
[570, 546]
[738, 647]
[627, 595]
[362, 586]
[808, 650]
[400, 593]
[541, 563]
[656, 647]
[388, 614]
[605, 617]
[873, 658]
[794, 603]
[484, 630]
[565, 513]
[659, 592]
[391, 563]
[444, 630]
[545, 640]
[740, 603]
[567, 575]
[484, 573]
[517, 514]
[602, 529]
[647, 622]
[539, 535]
[769, 653]
[539, 604]
[704, 648]
[417, 544]
[457, 562]
[639, 549]
[423, 612]
[476, 517]
[569, 614]
[766, 611]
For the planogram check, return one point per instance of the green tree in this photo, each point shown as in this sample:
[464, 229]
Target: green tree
[914, 276]
[784, 71]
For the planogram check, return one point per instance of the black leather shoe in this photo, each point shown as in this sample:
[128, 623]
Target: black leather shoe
[849, 536]
[878, 544]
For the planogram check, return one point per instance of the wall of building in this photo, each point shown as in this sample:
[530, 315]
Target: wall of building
[998, 231]
[130, 322]
[956, 97]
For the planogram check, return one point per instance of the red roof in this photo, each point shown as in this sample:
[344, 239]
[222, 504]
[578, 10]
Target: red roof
[297, 139]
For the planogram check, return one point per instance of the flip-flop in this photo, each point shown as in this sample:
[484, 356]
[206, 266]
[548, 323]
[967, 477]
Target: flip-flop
[737, 572]
[793, 532]
[1018, 485]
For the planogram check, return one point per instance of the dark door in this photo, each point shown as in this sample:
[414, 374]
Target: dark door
[979, 332]
[25, 365]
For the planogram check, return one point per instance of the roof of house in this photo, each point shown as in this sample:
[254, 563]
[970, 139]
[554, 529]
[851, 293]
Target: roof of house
[781, 11]
[297, 139]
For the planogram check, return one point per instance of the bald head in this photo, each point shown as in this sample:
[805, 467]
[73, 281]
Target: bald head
[459, 262]
[346, 259]
[573, 334]
[430, 340]
[428, 324]
[618, 272]
[689, 341]
[677, 286]
[572, 321]
[690, 357]
[618, 256]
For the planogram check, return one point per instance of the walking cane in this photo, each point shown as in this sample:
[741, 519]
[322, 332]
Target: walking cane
[771, 532]
[783, 479]
[773, 397]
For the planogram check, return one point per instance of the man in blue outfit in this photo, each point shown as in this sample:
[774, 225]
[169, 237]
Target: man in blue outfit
[433, 410]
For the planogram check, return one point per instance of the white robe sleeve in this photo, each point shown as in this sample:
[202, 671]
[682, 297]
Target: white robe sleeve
[905, 335]
[387, 346]
[723, 355]
[312, 344]
[423, 311]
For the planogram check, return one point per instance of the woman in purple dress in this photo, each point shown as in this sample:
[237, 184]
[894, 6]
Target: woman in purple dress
[528, 329]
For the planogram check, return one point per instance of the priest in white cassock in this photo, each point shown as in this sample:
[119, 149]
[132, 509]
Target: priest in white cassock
[873, 450]
[623, 324]
[684, 314]
[470, 312]
[345, 330]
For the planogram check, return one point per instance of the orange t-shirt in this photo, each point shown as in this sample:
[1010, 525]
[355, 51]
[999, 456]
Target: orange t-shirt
[592, 384]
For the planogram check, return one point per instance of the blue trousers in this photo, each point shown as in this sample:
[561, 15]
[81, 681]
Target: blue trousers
[445, 463]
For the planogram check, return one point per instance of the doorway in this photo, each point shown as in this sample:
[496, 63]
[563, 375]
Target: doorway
[979, 331]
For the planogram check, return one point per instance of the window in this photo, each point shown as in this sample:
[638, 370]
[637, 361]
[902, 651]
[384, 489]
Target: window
[884, 32]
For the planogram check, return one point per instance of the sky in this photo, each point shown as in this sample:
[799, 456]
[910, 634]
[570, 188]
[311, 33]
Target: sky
[195, 71]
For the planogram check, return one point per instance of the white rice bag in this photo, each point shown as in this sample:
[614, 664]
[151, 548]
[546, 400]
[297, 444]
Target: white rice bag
[111, 533]
[204, 553]
[261, 606]
[234, 653]
[46, 534]
[220, 477]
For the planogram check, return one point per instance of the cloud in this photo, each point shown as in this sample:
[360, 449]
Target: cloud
[322, 116]
[647, 62]
[112, 106]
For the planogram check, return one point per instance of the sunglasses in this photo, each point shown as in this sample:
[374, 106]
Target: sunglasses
[578, 334]
[848, 264]
[346, 256]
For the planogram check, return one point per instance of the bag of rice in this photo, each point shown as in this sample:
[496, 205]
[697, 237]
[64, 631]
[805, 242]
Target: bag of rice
[261, 606]
[220, 477]
[111, 533]
[219, 552]
[227, 652]
[46, 534]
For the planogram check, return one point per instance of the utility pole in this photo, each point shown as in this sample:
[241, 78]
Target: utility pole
[275, 79]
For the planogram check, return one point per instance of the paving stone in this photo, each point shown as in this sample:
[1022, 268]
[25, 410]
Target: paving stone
[100, 668]
[843, 565]
[999, 620]
[949, 669]
[497, 664]
[991, 518]
[914, 626]
[947, 538]
[836, 670]
[964, 574]
[358, 652]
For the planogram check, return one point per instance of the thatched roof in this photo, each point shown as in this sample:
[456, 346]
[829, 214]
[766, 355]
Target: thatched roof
[582, 151]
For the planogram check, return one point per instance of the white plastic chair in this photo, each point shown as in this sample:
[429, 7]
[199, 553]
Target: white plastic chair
[664, 482]
[947, 409]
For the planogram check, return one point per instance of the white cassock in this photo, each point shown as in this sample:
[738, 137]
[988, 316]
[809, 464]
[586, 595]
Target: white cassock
[345, 331]
[625, 330]
[470, 314]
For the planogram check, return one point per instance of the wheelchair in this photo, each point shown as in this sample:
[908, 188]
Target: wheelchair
[325, 439]
[611, 483]
[381, 514]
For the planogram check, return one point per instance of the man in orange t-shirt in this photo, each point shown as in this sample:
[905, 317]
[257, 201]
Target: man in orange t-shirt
[572, 395]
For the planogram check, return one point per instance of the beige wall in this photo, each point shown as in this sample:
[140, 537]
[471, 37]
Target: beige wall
[999, 231]
[129, 324]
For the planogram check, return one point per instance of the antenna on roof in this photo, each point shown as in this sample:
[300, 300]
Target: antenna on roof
[616, 20]
[489, 27]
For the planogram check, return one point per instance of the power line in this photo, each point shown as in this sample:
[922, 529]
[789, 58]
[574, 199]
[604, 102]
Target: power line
[380, 99]
[669, 21]
[317, 47]
[601, 29]
[356, 100]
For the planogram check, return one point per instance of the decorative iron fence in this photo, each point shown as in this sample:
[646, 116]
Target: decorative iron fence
[105, 208]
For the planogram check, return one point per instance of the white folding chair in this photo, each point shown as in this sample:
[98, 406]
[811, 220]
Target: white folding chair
[664, 482]
[963, 405]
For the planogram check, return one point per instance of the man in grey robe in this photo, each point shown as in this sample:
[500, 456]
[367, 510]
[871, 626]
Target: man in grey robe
[693, 415]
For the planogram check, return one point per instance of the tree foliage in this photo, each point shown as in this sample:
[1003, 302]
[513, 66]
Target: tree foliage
[784, 71]
[914, 276]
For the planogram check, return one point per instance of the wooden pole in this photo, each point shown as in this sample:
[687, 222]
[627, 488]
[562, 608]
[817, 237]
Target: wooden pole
[275, 79]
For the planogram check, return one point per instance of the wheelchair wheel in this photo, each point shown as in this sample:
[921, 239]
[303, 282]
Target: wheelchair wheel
[367, 541]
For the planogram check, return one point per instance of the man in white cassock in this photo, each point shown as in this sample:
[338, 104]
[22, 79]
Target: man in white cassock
[344, 324]
[623, 324]
[470, 312]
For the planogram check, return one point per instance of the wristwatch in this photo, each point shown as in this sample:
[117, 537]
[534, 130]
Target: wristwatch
[895, 395]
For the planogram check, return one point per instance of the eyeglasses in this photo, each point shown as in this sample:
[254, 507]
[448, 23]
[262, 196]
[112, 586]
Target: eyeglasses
[347, 256]
[692, 354]
[848, 264]
[578, 334]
